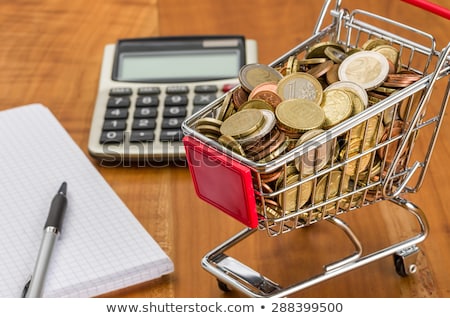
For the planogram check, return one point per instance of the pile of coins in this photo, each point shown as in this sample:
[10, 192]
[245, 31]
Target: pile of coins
[277, 109]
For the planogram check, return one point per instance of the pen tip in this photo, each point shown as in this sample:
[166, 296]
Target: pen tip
[63, 188]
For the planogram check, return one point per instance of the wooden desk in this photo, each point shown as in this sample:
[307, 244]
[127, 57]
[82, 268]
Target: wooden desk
[51, 53]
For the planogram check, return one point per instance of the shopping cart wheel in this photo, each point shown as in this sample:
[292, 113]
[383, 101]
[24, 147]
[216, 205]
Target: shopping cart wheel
[405, 261]
[399, 266]
[223, 286]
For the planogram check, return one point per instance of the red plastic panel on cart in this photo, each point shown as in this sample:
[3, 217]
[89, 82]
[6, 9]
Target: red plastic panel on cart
[222, 181]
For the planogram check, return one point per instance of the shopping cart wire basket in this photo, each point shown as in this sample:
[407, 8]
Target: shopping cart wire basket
[291, 191]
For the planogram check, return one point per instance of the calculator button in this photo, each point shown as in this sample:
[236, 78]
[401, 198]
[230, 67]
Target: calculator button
[172, 123]
[118, 101]
[116, 113]
[149, 90]
[228, 87]
[142, 135]
[120, 91]
[144, 123]
[205, 89]
[145, 112]
[114, 125]
[143, 101]
[111, 137]
[197, 108]
[177, 89]
[204, 99]
[176, 100]
[175, 111]
[171, 135]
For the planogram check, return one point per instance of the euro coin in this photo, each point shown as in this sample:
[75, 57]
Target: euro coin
[320, 69]
[373, 43]
[296, 197]
[251, 75]
[353, 87]
[336, 55]
[231, 143]
[256, 104]
[300, 85]
[242, 123]
[337, 106]
[367, 68]
[390, 52]
[316, 158]
[299, 115]
[266, 128]
[330, 186]
[318, 50]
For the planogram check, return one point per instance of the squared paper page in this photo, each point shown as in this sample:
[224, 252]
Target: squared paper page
[102, 246]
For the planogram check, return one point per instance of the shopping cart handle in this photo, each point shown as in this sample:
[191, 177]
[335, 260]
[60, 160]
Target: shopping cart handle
[431, 7]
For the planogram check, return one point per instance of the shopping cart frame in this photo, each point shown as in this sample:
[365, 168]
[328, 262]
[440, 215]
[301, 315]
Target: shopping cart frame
[349, 29]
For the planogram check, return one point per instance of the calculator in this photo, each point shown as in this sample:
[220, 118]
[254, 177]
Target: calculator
[149, 86]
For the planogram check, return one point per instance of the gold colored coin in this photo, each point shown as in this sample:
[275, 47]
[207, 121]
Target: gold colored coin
[357, 103]
[231, 143]
[373, 133]
[265, 129]
[373, 43]
[336, 55]
[353, 87]
[224, 108]
[290, 65]
[242, 123]
[315, 159]
[330, 186]
[357, 165]
[251, 75]
[289, 170]
[369, 69]
[390, 52]
[318, 50]
[332, 74]
[337, 106]
[256, 104]
[209, 129]
[209, 121]
[300, 85]
[299, 115]
[292, 199]
[317, 60]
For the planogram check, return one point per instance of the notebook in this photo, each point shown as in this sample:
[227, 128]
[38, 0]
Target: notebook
[102, 246]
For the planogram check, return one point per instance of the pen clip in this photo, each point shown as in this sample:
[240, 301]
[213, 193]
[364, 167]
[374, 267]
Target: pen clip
[26, 287]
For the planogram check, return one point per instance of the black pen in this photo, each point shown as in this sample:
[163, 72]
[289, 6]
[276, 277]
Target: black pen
[52, 229]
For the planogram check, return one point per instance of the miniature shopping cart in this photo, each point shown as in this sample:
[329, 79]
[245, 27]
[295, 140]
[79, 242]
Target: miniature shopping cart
[236, 185]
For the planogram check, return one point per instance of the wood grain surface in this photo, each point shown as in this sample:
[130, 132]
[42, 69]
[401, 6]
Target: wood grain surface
[51, 53]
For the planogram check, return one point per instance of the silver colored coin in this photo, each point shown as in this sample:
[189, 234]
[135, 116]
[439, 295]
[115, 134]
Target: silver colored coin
[251, 75]
[369, 69]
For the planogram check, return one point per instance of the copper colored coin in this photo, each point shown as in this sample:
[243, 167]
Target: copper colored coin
[388, 153]
[240, 96]
[272, 98]
[319, 70]
[263, 143]
[266, 86]
[269, 149]
[269, 177]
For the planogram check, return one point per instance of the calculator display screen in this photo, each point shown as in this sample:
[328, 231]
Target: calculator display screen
[179, 66]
